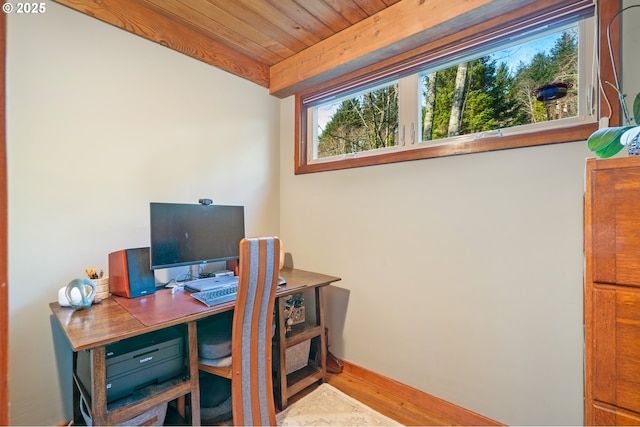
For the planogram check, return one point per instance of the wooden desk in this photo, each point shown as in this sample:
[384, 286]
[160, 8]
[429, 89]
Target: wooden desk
[103, 324]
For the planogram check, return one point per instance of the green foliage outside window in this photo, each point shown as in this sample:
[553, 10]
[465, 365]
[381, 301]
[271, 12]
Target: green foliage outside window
[362, 123]
[480, 95]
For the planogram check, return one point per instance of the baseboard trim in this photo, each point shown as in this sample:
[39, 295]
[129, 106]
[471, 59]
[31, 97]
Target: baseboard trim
[419, 398]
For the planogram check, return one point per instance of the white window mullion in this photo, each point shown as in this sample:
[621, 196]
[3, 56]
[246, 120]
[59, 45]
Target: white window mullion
[408, 110]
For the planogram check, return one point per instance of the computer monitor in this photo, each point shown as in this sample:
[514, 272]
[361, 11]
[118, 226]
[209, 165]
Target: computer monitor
[191, 234]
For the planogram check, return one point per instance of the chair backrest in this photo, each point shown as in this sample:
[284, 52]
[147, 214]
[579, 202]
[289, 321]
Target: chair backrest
[252, 382]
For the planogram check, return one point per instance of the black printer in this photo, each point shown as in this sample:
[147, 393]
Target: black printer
[137, 362]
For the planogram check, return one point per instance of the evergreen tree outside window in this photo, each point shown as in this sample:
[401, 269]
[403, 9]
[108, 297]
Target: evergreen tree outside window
[498, 90]
[459, 105]
[366, 121]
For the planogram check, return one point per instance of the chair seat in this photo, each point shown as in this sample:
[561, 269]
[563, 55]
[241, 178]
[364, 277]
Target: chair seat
[214, 337]
[220, 366]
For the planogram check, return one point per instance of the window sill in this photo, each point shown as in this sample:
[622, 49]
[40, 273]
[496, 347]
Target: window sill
[552, 136]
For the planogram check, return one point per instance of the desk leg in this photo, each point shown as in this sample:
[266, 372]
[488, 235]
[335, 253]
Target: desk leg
[77, 415]
[323, 336]
[280, 383]
[99, 387]
[192, 334]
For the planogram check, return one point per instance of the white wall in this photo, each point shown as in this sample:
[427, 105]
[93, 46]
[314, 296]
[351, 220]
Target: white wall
[100, 123]
[461, 276]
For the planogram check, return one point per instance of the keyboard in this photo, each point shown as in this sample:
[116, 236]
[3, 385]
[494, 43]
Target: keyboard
[225, 290]
[218, 295]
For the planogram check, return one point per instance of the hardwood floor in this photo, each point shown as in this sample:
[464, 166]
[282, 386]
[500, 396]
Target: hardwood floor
[376, 398]
[407, 406]
[381, 400]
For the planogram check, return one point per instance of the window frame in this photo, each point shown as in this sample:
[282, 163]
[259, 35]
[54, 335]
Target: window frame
[407, 63]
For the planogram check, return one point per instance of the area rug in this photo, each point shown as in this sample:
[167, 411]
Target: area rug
[328, 406]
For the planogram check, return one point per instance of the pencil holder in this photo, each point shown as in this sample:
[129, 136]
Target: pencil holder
[102, 287]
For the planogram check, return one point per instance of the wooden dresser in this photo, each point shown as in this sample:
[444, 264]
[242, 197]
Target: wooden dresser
[612, 291]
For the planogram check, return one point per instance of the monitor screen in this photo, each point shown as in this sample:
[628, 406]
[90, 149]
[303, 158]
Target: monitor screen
[187, 234]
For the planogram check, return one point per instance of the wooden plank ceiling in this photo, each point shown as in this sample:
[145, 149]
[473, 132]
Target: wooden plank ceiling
[288, 45]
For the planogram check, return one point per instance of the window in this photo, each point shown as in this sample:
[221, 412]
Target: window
[364, 121]
[528, 88]
[533, 82]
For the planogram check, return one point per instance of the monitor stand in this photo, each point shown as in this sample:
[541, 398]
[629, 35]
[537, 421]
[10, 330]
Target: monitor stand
[194, 271]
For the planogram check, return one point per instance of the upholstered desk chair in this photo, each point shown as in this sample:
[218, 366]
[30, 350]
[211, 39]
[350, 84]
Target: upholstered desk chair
[250, 368]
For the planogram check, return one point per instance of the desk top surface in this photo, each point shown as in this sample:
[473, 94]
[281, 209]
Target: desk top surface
[117, 318]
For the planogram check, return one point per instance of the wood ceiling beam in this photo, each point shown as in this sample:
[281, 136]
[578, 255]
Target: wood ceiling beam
[137, 19]
[397, 29]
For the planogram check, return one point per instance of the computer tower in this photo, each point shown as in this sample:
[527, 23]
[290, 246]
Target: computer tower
[130, 274]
